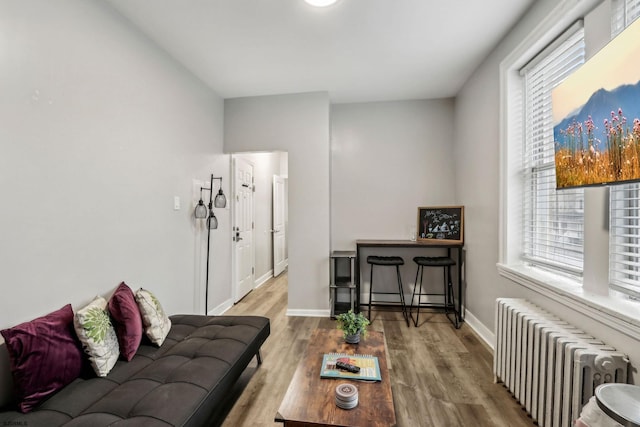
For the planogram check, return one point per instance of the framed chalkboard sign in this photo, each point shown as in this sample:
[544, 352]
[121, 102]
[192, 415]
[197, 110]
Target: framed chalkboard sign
[441, 223]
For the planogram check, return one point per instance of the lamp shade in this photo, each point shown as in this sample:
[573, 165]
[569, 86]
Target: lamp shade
[201, 210]
[212, 221]
[221, 200]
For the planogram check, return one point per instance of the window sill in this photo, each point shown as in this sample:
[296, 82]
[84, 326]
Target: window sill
[613, 310]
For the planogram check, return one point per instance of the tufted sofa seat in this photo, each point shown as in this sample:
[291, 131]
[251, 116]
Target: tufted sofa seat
[182, 383]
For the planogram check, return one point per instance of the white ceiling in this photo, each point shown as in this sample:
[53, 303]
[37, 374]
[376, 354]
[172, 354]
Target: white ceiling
[357, 50]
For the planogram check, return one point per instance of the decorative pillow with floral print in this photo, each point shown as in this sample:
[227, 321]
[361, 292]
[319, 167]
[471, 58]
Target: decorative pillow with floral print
[97, 335]
[156, 322]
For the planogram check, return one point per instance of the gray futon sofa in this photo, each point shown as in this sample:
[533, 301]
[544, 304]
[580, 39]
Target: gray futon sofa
[184, 382]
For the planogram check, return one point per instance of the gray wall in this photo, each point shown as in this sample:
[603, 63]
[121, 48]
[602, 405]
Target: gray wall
[477, 153]
[299, 125]
[387, 159]
[99, 131]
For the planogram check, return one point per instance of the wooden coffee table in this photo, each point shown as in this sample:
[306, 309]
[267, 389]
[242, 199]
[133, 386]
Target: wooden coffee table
[310, 400]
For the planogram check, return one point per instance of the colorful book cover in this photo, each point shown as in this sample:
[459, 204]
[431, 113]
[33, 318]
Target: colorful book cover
[369, 368]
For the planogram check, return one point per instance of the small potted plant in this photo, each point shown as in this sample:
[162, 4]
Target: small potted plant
[353, 325]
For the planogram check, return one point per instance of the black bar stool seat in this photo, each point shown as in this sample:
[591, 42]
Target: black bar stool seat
[385, 260]
[393, 261]
[436, 261]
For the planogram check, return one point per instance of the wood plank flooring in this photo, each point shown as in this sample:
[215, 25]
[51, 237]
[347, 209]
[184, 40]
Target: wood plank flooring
[440, 376]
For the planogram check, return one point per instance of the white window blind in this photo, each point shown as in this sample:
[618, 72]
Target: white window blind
[624, 230]
[553, 220]
[624, 238]
[623, 13]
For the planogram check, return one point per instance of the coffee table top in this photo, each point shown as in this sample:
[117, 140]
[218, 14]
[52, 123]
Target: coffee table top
[311, 399]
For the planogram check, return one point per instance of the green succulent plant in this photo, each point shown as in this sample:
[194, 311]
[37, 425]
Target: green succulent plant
[352, 323]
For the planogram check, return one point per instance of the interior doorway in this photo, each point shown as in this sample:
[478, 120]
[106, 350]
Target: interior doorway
[266, 248]
[279, 229]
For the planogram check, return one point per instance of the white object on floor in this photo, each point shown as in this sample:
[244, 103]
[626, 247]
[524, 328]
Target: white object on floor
[592, 416]
[621, 402]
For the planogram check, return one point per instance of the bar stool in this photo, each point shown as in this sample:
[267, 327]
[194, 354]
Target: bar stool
[439, 261]
[388, 261]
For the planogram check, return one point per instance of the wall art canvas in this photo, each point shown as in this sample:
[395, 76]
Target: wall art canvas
[596, 115]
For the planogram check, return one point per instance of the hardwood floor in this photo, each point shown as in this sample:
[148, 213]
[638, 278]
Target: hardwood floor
[440, 376]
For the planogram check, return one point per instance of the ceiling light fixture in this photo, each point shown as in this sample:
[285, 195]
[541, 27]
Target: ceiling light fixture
[320, 3]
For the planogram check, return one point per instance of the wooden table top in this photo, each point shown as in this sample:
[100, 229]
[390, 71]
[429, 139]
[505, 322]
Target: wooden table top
[407, 243]
[311, 399]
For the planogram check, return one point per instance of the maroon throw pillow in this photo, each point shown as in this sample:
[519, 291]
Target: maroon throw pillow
[45, 355]
[126, 320]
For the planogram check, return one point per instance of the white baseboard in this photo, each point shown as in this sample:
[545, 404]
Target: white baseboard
[262, 279]
[308, 313]
[220, 309]
[479, 328]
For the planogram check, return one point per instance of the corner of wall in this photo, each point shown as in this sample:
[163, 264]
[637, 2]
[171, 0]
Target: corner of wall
[480, 329]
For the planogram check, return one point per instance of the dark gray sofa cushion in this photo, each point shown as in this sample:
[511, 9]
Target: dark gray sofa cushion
[182, 383]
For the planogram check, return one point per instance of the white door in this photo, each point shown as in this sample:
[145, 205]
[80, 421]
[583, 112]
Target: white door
[279, 236]
[243, 228]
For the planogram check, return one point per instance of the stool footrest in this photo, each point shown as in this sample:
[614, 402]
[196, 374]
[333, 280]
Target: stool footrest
[434, 261]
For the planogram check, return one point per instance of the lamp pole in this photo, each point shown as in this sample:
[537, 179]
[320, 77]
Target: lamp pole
[201, 212]
[206, 287]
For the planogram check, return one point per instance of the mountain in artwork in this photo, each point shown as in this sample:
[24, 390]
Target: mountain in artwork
[599, 106]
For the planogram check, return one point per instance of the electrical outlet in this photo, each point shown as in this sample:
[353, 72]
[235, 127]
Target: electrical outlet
[176, 203]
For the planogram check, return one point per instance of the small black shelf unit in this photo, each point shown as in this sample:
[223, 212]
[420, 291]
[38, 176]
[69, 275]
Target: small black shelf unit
[342, 282]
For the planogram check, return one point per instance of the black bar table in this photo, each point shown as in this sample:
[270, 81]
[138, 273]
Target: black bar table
[419, 244]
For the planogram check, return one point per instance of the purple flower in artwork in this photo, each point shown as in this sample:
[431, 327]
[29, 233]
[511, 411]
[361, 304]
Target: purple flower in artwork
[589, 124]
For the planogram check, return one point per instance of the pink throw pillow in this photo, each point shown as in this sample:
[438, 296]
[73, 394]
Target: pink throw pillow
[127, 320]
[45, 355]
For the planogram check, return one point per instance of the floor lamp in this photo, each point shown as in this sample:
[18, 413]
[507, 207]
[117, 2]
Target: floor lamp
[202, 212]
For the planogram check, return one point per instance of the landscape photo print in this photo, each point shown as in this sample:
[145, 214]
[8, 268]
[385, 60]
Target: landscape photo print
[596, 116]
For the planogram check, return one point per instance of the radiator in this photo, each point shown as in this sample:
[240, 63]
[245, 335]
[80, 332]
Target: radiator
[550, 367]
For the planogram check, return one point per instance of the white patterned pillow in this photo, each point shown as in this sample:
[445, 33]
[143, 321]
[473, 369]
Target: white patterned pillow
[95, 330]
[156, 322]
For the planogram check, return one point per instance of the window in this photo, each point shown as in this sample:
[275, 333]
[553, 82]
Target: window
[553, 226]
[624, 230]
[542, 232]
